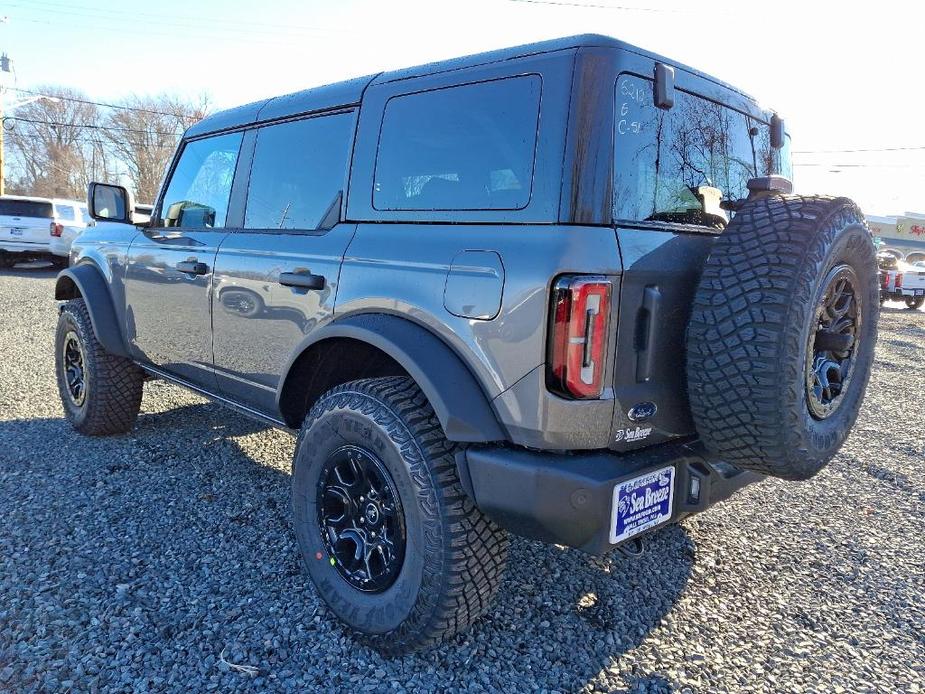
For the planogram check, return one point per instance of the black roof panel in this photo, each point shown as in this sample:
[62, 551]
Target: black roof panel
[350, 92]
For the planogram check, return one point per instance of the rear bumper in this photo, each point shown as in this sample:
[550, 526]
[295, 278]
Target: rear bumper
[25, 249]
[568, 499]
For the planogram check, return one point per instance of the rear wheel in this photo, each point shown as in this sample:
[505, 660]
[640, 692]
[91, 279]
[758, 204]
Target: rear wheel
[782, 333]
[393, 544]
[914, 302]
[100, 392]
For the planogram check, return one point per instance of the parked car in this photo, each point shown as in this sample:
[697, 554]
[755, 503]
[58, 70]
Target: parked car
[71, 218]
[536, 292]
[900, 281]
[34, 228]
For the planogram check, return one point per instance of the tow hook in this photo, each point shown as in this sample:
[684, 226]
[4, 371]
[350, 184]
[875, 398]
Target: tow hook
[632, 548]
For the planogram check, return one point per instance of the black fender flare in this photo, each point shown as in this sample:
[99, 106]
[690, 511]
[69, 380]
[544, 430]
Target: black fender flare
[87, 282]
[464, 411]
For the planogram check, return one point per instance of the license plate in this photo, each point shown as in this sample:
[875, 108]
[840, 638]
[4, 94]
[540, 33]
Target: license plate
[920, 292]
[17, 231]
[642, 503]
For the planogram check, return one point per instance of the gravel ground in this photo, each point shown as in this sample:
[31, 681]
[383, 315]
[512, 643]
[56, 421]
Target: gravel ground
[165, 560]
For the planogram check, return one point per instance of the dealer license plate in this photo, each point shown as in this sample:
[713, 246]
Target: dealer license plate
[642, 503]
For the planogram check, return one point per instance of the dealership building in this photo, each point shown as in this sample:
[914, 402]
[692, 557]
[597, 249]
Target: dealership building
[902, 236]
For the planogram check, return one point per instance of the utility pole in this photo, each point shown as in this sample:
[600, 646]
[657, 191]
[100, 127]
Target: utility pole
[4, 71]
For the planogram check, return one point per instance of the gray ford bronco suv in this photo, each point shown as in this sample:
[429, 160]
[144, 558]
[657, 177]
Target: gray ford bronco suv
[562, 290]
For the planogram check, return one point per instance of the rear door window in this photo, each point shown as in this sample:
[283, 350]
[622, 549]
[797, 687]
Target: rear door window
[26, 208]
[469, 147]
[297, 172]
[65, 213]
[199, 189]
[678, 165]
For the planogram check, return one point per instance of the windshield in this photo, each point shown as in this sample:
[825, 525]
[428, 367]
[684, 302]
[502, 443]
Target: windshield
[679, 165]
[26, 208]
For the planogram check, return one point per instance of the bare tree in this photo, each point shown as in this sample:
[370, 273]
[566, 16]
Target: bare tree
[144, 133]
[56, 145]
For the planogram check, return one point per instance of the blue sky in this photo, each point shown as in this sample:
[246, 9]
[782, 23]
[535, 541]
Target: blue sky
[846, 77]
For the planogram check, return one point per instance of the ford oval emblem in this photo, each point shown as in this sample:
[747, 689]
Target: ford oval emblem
[641, 411]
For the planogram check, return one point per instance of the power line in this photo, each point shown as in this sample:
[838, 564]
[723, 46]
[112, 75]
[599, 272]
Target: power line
[59, 124]
[102, 104]
[594, 6]
[850, 151]
[90, 140]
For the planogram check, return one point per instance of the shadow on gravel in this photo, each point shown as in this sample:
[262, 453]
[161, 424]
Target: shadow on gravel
[166, 559]
[36, 269]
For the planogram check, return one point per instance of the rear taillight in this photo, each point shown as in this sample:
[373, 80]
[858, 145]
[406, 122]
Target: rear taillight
[899, 280]
[56, 229]
[884, 280]
[579, 324]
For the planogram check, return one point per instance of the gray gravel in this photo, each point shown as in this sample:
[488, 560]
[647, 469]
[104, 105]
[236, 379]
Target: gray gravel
[165, 560]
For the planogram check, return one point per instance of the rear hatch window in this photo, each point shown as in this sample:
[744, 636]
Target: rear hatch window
[678, 165]
[65, 213]
[26, 208]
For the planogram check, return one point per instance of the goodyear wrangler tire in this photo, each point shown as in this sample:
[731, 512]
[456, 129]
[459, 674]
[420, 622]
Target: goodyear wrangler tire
[393, 544]
[781, 336]
[100, 392]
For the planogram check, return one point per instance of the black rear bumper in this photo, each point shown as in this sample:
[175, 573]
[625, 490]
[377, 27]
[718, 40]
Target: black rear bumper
[567, 498]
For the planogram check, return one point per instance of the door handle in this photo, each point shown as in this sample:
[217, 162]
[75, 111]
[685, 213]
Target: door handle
[646, 330]
[301, 280]
[193, 267]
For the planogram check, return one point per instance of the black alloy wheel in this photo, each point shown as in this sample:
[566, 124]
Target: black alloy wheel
[72, 356]
[830, 357]
[363, 526]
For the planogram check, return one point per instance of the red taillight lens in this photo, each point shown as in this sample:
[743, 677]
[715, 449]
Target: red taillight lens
[56, 229]
[579, 324]
[899, 280]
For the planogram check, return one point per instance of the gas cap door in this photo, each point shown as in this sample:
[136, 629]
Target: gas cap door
[474, 285]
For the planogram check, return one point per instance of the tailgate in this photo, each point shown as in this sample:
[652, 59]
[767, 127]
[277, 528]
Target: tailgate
[24, 230]
[661, 271]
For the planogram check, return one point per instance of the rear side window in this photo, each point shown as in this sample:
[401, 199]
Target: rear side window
[199, 189]
[26, 208]
[678, 165]
[65, 213]
[470, 147]
[298, 170]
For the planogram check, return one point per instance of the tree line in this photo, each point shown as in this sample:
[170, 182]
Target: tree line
[60, 142]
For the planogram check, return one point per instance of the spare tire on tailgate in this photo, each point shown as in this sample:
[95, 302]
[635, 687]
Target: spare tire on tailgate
[782, 332]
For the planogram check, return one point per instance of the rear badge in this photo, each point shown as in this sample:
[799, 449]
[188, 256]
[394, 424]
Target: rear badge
[632, 434]
[641, 411]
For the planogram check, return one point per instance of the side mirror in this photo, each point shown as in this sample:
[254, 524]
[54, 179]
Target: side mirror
[777, 131]
[110, 203]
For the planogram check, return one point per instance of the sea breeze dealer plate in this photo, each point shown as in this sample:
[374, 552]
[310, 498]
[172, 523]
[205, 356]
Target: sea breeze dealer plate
[641, 503]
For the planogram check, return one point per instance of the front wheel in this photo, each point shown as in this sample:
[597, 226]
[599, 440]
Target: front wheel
[914, 302]
[393, 544]
[100, 392]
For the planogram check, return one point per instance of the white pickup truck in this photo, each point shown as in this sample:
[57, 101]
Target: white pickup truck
[901, 282]
[33, 228]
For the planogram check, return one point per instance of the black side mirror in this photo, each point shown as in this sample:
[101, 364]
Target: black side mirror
[777, 131]
[664, 86]
[110, 203]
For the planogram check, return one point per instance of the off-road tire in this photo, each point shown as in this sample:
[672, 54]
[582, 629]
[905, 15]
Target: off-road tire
[749, 333]
[914, 302]
[454, 555]
[114, 384]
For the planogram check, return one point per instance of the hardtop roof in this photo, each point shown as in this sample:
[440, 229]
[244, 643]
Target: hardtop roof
[350, 92]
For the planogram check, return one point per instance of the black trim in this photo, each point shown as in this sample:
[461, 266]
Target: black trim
[568, 499]
[458, 400]
[94, 290]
